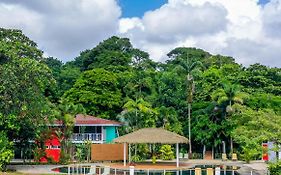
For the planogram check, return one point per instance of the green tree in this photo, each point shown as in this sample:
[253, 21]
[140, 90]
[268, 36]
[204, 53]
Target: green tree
[188, 63]
[114, 52]
[253, 128]
[209, 127]
[226, 97]
[97, 91]
[168, 119]
[65, 113]
[24, 82]
[13, 43]
[138, 114]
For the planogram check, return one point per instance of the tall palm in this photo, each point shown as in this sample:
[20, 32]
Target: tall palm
[226, 97]
[188, 66]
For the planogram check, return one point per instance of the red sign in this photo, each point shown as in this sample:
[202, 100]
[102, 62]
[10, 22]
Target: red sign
[265, 152]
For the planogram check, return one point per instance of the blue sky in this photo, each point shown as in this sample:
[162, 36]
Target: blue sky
[263, 1]
[136, 8]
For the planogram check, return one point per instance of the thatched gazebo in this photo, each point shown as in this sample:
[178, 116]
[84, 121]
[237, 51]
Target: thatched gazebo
[152, 135]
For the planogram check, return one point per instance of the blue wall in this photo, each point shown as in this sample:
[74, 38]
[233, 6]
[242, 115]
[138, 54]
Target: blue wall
[110, 133]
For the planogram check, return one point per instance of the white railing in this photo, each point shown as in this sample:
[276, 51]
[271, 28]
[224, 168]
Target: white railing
[87, 136]
[98, 169]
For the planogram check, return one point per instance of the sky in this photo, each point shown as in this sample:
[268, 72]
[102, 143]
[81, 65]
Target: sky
[248, 30]
[133, 8]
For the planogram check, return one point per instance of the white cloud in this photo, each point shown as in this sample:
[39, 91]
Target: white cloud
[272, 19]
[172, 25]
[239, 28]
[29, 21]
[62, 28]
[126, 24]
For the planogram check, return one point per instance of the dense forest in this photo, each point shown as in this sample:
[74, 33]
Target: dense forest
[224, 102]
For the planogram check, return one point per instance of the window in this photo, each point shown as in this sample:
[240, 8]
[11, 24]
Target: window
[98, 129]
[76, 129]
[93, 129]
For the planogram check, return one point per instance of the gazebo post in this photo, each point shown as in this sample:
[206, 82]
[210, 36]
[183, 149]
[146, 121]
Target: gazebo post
[177, 152]
[129, 153]
[124, 154]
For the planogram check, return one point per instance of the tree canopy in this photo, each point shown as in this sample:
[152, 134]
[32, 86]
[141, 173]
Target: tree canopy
[114, 80]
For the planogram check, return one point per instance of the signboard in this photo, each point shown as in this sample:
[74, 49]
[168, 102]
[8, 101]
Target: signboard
[265, 152]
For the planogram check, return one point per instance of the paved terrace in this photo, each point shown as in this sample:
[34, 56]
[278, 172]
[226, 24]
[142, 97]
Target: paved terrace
[258, 167]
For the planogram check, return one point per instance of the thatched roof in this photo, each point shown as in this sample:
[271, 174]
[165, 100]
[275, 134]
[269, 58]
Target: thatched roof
[151, 135]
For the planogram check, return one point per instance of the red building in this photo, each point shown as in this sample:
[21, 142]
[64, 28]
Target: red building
[53, 149]
[86, 128]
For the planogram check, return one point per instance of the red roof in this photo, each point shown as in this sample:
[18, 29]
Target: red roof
[81, 119]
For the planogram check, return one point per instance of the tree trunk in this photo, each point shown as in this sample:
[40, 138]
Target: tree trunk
[189, 129]
[213, 152]
[189, 101]
[223, 147]
[204, 151]
[231, 145]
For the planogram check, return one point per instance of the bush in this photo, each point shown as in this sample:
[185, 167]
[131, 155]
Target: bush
[249, 153]
[64, 158]
[275, 168]
[38, 154]
[166, 152]
[6, 151]
[137, 158]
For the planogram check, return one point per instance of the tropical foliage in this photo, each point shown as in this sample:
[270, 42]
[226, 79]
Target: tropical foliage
[208, 98]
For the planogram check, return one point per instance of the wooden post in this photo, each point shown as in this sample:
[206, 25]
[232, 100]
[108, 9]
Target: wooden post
[177, 147]
[129, 153]
[124, 154]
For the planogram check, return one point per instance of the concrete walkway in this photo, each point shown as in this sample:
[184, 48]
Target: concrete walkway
[258, 167]
[34, 169]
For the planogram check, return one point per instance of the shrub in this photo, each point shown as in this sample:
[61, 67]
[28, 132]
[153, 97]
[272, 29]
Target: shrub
[64, 157]
[249, 153]
[275, 168]
[38, 154]
[166, 152]
[137, 158]
[6, 151]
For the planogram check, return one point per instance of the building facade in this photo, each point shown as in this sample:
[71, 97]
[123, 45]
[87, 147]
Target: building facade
[86, 128]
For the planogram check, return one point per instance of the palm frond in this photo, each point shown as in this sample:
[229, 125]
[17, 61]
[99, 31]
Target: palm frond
[196, 64]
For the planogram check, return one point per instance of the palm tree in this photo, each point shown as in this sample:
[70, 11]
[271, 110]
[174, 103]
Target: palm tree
[187, 66]
[137, 114]
[226, 97]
